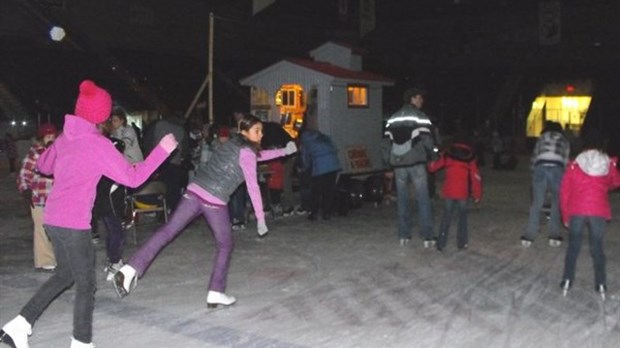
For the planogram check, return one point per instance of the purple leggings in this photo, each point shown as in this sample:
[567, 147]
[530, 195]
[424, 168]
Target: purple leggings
[189, 208]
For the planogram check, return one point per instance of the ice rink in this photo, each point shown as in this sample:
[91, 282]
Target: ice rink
[340, 283]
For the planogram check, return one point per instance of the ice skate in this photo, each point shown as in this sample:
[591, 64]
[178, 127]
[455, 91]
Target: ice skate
[111, 269]
[77, 344]
[215, 299]
[404, 241]
[526, 243]
[15, 333]
[602, 290]
[429, 243]
[565, 285]
[555, 242]
[125, 281]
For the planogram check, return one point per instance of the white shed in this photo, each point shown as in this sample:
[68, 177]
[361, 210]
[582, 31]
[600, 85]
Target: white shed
[330, 93]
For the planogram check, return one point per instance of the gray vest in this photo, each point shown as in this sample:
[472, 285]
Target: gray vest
[222, 174]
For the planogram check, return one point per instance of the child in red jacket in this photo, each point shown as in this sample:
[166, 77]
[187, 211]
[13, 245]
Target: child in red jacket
[584, 201]
[462, 180]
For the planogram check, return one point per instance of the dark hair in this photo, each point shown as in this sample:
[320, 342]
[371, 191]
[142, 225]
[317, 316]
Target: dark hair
[120, 113]
[412, 92]
[245, 123]
[552, 126]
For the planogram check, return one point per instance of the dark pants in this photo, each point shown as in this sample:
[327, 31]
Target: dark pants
[236, 204]
[175, 177]
[323, 191]
[577, 225]
[75, 257]
[115, 238]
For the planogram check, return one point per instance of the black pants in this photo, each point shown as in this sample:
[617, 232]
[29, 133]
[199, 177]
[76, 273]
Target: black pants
[322, 192]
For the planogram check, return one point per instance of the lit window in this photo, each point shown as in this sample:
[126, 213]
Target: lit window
[357, 96]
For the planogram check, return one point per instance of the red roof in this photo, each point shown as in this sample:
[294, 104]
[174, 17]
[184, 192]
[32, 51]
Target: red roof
[337, 71]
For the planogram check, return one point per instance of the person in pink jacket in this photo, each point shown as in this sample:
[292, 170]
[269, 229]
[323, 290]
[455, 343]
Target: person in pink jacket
[584, 201]
[78, 158]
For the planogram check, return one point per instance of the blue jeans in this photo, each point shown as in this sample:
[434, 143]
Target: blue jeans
[460, 205]
[545, 178]
[188, 209]
[75, 257]
[417, 175]
[597, 232]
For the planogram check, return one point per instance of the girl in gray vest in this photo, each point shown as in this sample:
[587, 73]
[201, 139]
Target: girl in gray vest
[232, 163]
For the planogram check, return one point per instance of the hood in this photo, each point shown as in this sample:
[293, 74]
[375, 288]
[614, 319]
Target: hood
[76, 127]
[461, 152]
[593, 162]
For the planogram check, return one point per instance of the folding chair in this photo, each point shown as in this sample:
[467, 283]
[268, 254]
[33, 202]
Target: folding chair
[151, 198]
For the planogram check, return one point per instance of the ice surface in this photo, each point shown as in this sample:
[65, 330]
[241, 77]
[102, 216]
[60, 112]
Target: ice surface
[342, 283]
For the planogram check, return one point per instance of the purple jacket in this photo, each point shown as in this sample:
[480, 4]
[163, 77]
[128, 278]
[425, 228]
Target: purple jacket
[77, 160]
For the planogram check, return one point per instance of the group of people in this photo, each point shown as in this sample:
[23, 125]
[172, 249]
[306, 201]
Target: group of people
[64, 214]
[575, 191]
[67, 219]
[576, 194]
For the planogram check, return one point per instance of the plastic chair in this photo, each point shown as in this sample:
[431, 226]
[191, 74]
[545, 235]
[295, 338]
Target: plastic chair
[151, 198]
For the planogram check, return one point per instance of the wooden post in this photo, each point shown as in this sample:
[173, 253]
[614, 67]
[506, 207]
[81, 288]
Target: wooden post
[208, 79]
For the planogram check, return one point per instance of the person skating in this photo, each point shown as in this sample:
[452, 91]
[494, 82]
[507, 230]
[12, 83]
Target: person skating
[35, 188]
[411, 148]
[78, 158]
[548, 161]
[231, 164]
[462, 180]
[584, 201]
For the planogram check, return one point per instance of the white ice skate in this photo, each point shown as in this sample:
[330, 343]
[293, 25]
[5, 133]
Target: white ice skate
[215, 299]
[601, 289]
[565, 285]
[15, 333]
[125, 280]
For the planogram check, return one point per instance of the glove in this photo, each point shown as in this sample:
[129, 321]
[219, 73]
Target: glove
[290, 148]
[27, 195]
[168, 143]
[262, 228]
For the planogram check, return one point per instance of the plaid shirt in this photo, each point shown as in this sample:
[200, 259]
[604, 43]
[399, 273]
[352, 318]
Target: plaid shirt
[30, 179]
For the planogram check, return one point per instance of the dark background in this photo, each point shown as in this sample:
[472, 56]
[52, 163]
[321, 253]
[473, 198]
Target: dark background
[480, 60]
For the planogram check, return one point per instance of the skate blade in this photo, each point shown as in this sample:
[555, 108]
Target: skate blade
[218, 306]
[5, 338]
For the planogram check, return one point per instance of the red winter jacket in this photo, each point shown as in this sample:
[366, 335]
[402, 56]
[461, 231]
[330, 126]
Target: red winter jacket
[462, 175]
[585, 185]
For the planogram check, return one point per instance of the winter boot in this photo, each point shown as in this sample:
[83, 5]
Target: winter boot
[215, 299]
[77, 344]
[125, 280]
[15, 333]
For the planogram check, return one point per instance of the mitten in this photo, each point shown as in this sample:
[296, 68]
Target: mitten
[290, 148]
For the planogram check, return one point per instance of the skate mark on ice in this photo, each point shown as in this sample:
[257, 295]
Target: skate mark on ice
[193, 325]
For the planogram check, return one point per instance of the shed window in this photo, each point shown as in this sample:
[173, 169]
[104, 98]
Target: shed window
[357, 96]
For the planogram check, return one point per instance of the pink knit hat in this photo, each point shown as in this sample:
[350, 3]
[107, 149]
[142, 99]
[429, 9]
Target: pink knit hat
[94, 103]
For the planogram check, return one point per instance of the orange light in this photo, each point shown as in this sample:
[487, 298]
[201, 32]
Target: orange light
[570, 88]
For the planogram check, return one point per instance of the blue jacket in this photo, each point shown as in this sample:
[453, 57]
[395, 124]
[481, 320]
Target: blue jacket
[318, 153]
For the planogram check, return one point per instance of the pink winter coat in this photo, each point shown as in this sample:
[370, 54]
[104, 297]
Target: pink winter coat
[78, 158]
[585, 186]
